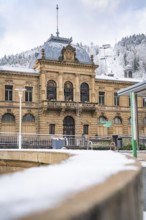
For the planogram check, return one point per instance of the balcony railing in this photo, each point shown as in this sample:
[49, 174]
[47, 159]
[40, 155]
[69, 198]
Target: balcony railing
[69, 105]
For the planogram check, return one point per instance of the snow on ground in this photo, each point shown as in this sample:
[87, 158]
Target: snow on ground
[143, 163]
[39, 188]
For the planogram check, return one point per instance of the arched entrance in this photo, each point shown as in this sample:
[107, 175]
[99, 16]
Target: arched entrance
[68, 126]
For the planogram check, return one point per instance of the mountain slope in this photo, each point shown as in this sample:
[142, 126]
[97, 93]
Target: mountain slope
[129, 51]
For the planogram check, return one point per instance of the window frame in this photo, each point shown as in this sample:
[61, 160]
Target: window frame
[84, 92]
[28, 94]
[103, 119]
[144, 102]
[117, 120]
[101, 98]
[51, 90]
[116, 99]
[27, 118]
[51, 128]
[129, 120]
[7, 117]
[85, 129]
[68, 91]
[8, 93]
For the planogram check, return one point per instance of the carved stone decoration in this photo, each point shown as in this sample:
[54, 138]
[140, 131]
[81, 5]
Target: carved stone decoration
[28, 84]
[68, 54]
[9, 82]
[8, 110]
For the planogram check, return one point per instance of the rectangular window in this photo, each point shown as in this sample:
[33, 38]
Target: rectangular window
[52, 129]
[144, 102]
[8, 93]
[116, 99]
[28, 94]
[129, 102]
[101, 98]
[85, 129]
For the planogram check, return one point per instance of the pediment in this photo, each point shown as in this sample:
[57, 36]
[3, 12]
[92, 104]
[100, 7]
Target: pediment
[68, 54]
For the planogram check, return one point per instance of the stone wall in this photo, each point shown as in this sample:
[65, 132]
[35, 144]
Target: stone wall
[118, 198]
[11, 161]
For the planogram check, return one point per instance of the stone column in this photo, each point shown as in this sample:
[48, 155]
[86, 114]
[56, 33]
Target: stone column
[77, 89]
[60, 87]
[43, 95]
[92, 95]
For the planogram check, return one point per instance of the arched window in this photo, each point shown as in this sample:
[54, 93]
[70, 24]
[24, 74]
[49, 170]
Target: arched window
[28, 118]
[117, 120]
[68, 91]
[84, 92]
[51, 90]
[8, 118]
[102, 119]
[129, 121]
[68, 126]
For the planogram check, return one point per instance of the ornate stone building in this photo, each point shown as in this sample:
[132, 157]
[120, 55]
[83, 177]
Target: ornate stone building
[63, 95]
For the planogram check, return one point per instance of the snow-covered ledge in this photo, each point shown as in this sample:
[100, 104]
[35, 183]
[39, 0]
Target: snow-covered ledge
[89, 185]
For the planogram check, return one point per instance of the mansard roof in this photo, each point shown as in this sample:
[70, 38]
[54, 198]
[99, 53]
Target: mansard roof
[53, 48]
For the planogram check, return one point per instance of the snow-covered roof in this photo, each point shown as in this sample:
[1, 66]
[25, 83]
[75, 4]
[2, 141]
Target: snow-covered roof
[128, 67]
[116, 78]
[54, 46]
[18, 69]
[40, 188]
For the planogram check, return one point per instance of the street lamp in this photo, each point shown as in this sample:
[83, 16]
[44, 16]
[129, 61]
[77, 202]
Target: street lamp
[20, 93]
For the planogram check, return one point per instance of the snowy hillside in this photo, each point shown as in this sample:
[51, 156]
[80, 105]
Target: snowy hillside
[130, 51]
[109, 63]
[22, 59]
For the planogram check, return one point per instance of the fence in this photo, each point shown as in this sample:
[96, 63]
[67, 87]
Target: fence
[10, 140]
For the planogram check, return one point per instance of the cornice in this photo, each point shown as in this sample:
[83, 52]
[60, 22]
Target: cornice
[114, 81]
[72, 64]
[4, 72]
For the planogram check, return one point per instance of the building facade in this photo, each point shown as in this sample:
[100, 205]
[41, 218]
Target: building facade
[64, 96]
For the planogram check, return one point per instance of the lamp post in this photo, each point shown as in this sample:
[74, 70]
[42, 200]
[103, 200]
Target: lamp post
[20, 93]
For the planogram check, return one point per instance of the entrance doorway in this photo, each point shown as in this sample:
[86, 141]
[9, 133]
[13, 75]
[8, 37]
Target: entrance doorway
[68, 126]
[69, 130]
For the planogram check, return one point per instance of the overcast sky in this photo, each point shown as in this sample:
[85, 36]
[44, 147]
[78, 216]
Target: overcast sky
[25, 24]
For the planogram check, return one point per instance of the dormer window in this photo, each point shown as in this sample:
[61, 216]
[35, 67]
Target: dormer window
[128, 74]
[128, 71]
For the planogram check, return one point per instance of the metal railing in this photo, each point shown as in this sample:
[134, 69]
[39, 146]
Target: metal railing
[10, 140]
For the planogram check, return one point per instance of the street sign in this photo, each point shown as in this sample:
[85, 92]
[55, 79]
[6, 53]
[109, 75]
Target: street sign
[108, 124]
